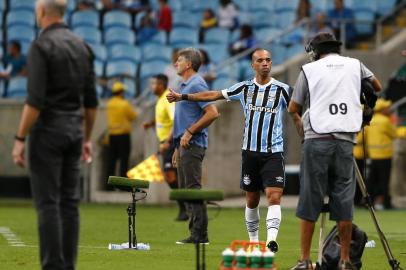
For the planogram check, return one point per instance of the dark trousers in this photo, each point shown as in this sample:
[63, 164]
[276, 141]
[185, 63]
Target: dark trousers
[119, 150]
[54, 155]
[378, 182]
[189, 163]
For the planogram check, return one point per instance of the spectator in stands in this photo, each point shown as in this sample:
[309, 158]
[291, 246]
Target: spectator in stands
[228, 15]
[209, 20]
[147, 29]
[86, 5]
[134, 6]
[15, 62]
[174, 80]
[336, 15]
[303, 10]
[120, 114]
[207, 69]
[319, 25]
[107, 5]
[246, 40]
[165, 16]
[379, 140]
[397, 84]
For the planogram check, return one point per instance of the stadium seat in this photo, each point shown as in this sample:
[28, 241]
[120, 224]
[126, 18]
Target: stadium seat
[199, 6]
[243, 5]
[285, 18]
[137, 19]
[294, 50]
[116, 18]
[20, 17]
[85, 18]
[89, 34]
[217, 53]
[98, 68]
[71, 5]
[156, 52]
[223, 83]
[384, 7]
[264, 34]
[185, 19]
[264, 19]
[245, 70]
[183, 37]
[99, 51]
[229, 71]
[278, 53]
[17, 87]
[245, 18]
[118, 35]
[22, 5]
[217, 36]
[125, 52]
[283, 5]
[2, 5]
[261, 6]
[121, 68]
[175, 5]
[366, 18]
[20, 33]
[148, 69]
[296, 36]
[159, 38]
[25, 46]
[364, 4]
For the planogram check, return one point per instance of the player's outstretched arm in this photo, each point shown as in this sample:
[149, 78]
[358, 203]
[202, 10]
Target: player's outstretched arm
[201, 96]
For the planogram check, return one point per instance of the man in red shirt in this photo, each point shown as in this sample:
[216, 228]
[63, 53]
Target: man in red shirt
[165, 16]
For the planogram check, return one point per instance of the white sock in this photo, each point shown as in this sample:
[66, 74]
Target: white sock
[273, 220]
[252, 223]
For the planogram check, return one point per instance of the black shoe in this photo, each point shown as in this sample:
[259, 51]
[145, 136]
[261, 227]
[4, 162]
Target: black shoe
[182, 216]
[272, 246]
[303, 265]
[192, 240]
[342, 265]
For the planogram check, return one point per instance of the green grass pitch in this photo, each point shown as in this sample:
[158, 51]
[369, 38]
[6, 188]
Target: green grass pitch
[107, 223]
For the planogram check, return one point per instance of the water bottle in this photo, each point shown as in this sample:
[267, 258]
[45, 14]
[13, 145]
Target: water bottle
[115, 247]
[268, 259]
[370, 244]
[256, 258]
[228, 257]
[241, 258]
[143, 246]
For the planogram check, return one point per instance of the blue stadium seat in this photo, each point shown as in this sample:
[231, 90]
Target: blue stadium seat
[278, 53]
[116, 18]
[156, 52]
[85, 18]
[25, 46]
[118, 35]
[99, 51]
[183, 37]
[137, 19]
[175, 5]
[2, 5]
[148, 69]
[22, 4]
[296, 36]
[245, 18]
[17, 88]
[366, 24]
[243, 5]
[71, 5]
[282, 5]
[20, 17]
[245, 70]
[98, 68]
[125, 52]
[294, 50]
[21, 33]
[261, 6]
[364, 4]
[159, 38]
[217, 53]
[285, 19]
[229, 71]
[185, 19]
[384, 7]
[223, 83]
[217, 36]
[118, 68]
[264, 19]
[322, 5]
[264, 34]
[89, 34]
[200, 6]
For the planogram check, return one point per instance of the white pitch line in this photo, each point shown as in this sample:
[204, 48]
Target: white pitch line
[11, 238]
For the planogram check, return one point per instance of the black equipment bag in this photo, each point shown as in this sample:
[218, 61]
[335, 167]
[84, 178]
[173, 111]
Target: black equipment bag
[368, 99]
[331, 248]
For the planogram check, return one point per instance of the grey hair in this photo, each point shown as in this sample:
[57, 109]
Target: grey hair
[193, 55]
[53, 7]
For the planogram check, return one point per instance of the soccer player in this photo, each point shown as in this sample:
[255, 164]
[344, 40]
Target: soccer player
[263, 100]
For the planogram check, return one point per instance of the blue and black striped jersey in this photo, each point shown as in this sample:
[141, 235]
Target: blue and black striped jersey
[263, 107]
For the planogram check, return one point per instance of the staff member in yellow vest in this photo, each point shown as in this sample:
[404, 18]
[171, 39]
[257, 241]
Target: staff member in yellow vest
[164, 114]
[120, 114]
[379, 140]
